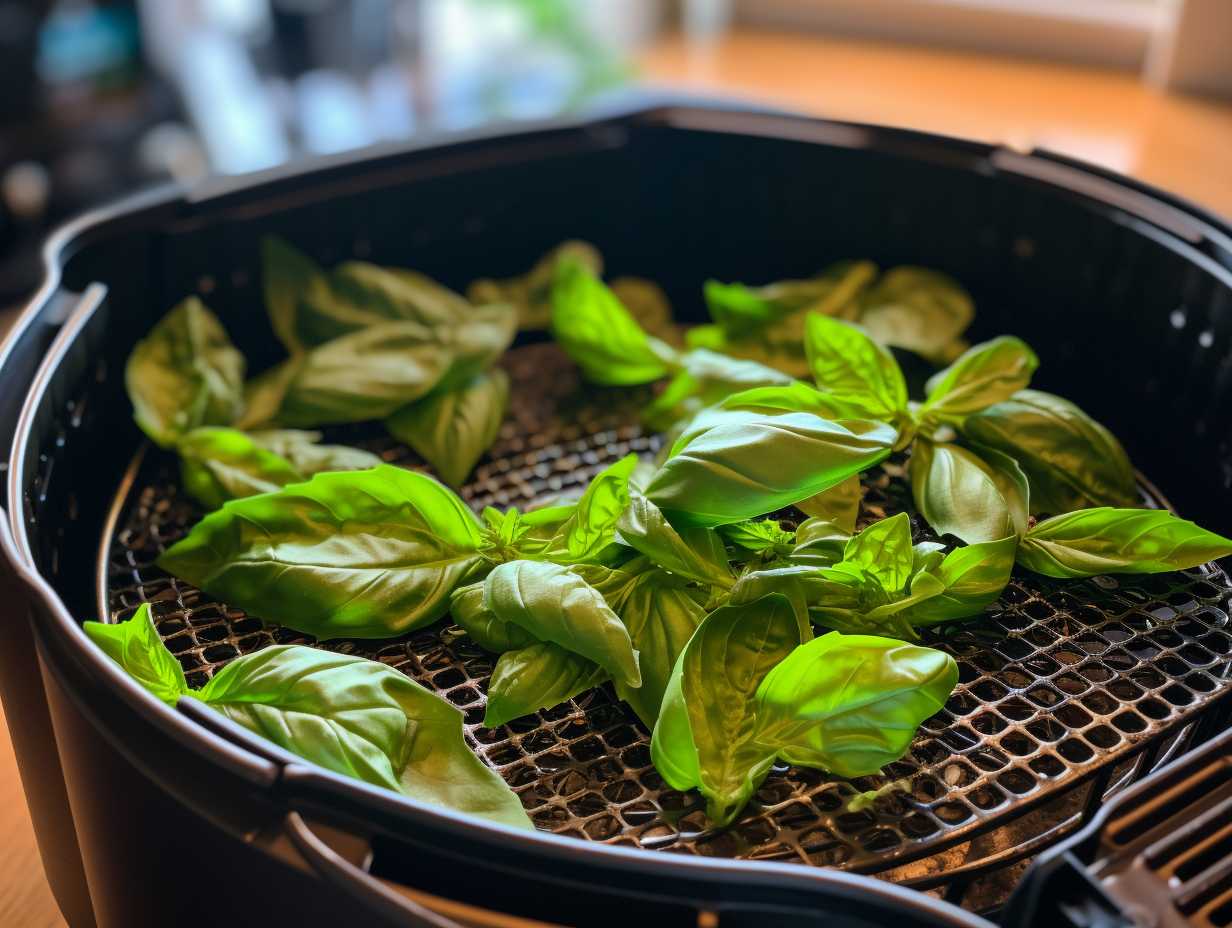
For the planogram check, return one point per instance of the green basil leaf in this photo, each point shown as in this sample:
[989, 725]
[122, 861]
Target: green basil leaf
[303, 451]
[594, 329]
[484, 627]
[764, 536]
[779, 345]
[554, 604]
[800, 584]
[854, 369]
[451, 429]
[592, 525]
[661, 616]
[134, 645]
[184, 374]
[793, 397]
[839, 505]
[706, 733]
[538, 676]
[1091, 542]
[363, 554]
[820, 542]
[883, 552]
[531, 293]
[1071, 461]
[615, 583]
[694, 552]
[649, 306]
[972, 577]
[287, 276]
[959, 494]
[737, 307]
[363, 719]
[219, 464]
[1011, 481]
[918, 309]
[707, 378]
[985, 374]
[373, 372]
[738, 465]
[851, 704]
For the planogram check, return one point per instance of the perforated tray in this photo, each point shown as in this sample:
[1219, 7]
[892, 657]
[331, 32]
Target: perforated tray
[1068, 690]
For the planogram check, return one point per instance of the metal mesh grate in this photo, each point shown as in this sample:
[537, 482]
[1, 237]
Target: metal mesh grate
[1061, 684]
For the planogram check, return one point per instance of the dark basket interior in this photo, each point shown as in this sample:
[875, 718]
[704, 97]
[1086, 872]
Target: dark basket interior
[1068, 690]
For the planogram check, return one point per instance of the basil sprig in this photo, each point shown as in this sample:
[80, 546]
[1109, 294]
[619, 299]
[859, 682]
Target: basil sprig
[353, 716]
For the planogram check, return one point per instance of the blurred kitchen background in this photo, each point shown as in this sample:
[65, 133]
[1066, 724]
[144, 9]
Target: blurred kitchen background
[100, 97]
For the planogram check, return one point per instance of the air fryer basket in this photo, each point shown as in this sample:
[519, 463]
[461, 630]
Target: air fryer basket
[1069, 691]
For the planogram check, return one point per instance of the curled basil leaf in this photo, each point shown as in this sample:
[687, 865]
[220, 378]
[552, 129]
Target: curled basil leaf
[707, 729]
[985, 374]
[706, 378]
[736, 465]
[594, 329]
[854, 369]
[649, 306]
[555, 604]
[694, 551]
[960, 494]
[134, 644]
[531, 293]
[220, 464]
[537, 676]
[820, 542]
[306, 454]
[739, 308]
[1070, 460]
[485, 628]
[591, 527]
[973, 577]
[363, 554]
[851, 704]
[1091, 542]
[451, 429]
[184, 374]
[919, 309]
[839, 505]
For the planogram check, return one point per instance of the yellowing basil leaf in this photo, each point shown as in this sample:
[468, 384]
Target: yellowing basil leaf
[694, 552]
[362, 554]
[973, 577]
[134, 645]
[451, 429]
[363, 719]
[599, 334]
[883, 552]
[219, 464]
[1070, 460]
[661, 616]
[531, 293]
[839, 505]
[738, 308]
[306, 454]
[985, 374]
[288, 277]
[919, 309]
[707, 728]
[537, 676]
[851, 704]
[485, 628]
[1090, 542]
[648, 304]
[958, 494]
[738, 465]
[184, 374]
[555, 604]
[854, 369]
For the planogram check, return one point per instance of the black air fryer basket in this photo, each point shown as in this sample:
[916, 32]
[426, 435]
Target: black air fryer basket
[1069, 694]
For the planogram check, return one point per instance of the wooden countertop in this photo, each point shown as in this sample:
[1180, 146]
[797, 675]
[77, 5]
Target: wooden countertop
[1179, 143]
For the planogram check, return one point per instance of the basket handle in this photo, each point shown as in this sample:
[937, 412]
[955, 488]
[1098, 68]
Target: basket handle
[385, 906]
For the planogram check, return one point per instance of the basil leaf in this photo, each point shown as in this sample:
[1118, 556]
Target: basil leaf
[883, 552]
[800, 584]
[820, 542]
[793, 397]
[778, 345]
[531, 293]
[614, 583]
[363, 719]
[706, 733]
[764, 536]
[451, 429]
[851, 704]
[739, 466]
[219, 464]
[694, 552]
[134, 645]
[592, 526]
[839, 505]
[853, 368]
[737, 307]
[1091, 542]
[1070, 460]
[184, 374]
[919, 309]
[482, 624]
[287, 276]
[594, 329]
[303, 451]
[972, 577]
[707, 378]
[364, 554]
[985, 374]
[371, 373]
[661, 616]
[555, 604]
[959, 494]
[538, 676]
[649, 306]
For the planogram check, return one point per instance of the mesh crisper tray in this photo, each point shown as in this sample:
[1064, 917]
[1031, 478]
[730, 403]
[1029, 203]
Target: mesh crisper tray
[1067, 689]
